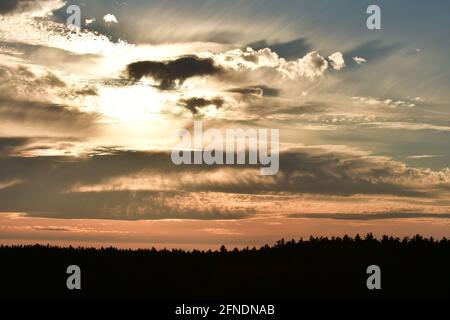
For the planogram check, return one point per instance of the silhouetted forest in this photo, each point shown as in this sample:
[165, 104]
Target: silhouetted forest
[306, 269]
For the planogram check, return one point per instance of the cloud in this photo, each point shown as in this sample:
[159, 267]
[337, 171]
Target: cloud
[7, 145]
[33, 7]
[50, 115]
[20, 82]
[50, 57]
[40, 102]
[37, 86]
[194, 104]
[359, 60]
[385, 102]
[312, 65]
[405, 126]
[7, 184]
[371, 216]
[306, 108]
[314, 170]
[110, 18]
[424, 156]
[146, 185]
[53, 228]
[257, 91]
[222, 231]
[249, 59]
[34, 28]
[171, 73]
[50, 80]
[281, 112]
[337, 61]
[89, 21]
[86, 91]
[374, 50]
[41, 146]
[8, 6]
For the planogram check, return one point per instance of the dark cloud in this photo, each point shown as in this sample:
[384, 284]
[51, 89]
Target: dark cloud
[57, 229]
[314, 170]
[307, 107]
[44, 113]
[12, 146]
[86, 91]
[305, 171]
[8, 6]
[317, 171]
[371, 216]
[19, 6]
[20, 81]
[7, 145]
[24, 72]
[75, 93]
[50, 80]
[257, 90]
[279, 107]
[46, 183]
[168, 73]
[193, 104]
[131, 205]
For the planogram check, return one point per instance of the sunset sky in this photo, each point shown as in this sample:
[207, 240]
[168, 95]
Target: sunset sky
[87, 119]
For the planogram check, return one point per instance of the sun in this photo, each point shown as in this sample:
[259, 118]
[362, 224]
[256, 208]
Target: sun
[135, 104]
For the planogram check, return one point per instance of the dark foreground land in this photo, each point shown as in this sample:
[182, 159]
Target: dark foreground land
[317, 268]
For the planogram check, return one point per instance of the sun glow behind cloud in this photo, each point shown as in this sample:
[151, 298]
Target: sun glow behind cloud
[135, 104]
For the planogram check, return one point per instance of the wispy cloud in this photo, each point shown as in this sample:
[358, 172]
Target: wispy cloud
[373, 216]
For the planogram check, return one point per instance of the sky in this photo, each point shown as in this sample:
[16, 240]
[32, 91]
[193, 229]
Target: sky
[88, 117]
